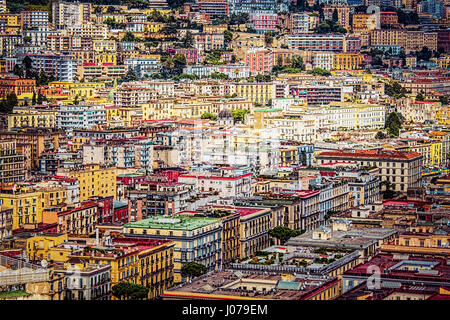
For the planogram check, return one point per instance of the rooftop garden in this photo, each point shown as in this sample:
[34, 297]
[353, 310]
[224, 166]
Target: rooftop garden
[14, 294]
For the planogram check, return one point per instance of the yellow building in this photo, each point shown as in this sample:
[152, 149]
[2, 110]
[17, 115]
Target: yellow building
[254, 233]
[140, 261]
[30, 117]
[94, 180]
[43, 247]
[106, 57]
[153, 27]
[26, 204]
[104, 45]
[257, 92]
[158, 109]
[78, 142]
[443, 116]
[362, 22]
[419, 241]
[347, 61]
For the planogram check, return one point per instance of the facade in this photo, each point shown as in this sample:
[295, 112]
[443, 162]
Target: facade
[86, 281]
[19, 86]
[140, 261]
[402, 169]
[94, 180]
[33, 19]
[6, 223]
[12, 164]
[196, 239]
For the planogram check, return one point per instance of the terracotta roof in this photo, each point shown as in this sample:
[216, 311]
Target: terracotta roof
[370, 154]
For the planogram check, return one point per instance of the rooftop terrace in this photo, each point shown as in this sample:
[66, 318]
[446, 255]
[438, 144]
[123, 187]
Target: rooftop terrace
[178, 223]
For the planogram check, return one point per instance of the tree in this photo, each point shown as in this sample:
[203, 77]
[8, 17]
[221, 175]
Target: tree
[393, 124]
[208, 115]
[18, 71]
[11, 100]
[320, 72]
[27, 66]
[130, 75]
[8, 103]
[26, 39]
[420, 96]
[179, 61]
[424, 54]
[219, 75]
[130, 291]
[110, 9]
[98, 10]
[380, 135]
[268, 38]
[239, 115]
[283, 233]
[129, 37]
[42, 79]
[298, 63]
[193, 269]
[188, 40]
[228, 36]
[33, 100]
[394, 89]
[41, 98]
[75, 100]
[444, 100]
[388, 193]
[335, 16]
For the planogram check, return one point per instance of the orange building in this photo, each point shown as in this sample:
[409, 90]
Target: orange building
[388, 18]
[18, 85]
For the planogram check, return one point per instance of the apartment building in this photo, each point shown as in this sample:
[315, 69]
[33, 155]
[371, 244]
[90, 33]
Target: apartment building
[401, 169]
[196, 239]
[12, 163]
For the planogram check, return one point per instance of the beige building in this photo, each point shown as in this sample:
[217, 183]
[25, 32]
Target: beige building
[401, 169]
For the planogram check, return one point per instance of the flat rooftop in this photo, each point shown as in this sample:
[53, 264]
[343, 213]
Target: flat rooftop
[245, 284]
[175, 223]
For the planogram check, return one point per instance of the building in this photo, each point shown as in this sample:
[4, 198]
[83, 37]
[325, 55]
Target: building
[255, 285]
[33, 19]
[263, 22]
[63, 67]
[94, 180]
[6, 222]
[401, 169]
[80, 116]
[66, 14]
[196, 239]
[347, 61]
[397, 271]
[340, 234]
[21, 87]
[146, 262]
[259, 60]
[12, 164]
[85, 281]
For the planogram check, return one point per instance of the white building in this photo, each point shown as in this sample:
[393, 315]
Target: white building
[80, 117]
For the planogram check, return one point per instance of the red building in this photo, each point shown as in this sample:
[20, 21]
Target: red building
[17, 85]
[120, 212]
[259, 60]
[105, 212]
[191, 55]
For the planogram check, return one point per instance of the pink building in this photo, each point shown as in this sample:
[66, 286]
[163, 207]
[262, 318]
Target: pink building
[263, 22]
[259, 60]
